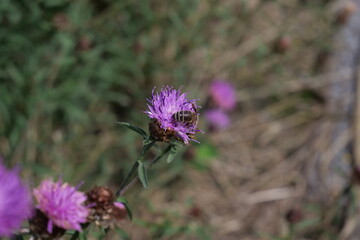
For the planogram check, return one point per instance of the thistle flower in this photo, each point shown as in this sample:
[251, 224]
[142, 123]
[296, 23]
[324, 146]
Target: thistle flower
[15, 202]
[38, 225]
[62, 204]
[173, 116]
[223, 94]
[217, 118]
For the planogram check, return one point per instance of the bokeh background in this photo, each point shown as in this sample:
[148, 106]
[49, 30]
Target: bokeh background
[284, 167]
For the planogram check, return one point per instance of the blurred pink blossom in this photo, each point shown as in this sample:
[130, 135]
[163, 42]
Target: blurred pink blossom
[223, 94]
[217, 118]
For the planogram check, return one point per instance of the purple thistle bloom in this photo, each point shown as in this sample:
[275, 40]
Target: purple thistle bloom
[223, 94]
[217, 118]
[62, 204]
[15, 202]
[162, 107]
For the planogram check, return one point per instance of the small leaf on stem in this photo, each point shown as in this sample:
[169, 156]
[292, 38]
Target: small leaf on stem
[142, 172]
[172, 154]
[126, 204]
[135, 129]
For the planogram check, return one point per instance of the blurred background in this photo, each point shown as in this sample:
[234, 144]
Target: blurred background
[279, 163]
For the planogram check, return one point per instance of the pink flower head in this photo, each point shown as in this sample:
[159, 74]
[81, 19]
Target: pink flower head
[169, 101]
[217, 118]
[15, 202]
[62, 204]
[223, 94]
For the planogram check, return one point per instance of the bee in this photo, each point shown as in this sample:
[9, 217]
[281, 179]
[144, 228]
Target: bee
[187, 117]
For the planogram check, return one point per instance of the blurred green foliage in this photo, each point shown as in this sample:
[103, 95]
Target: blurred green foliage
[70, 69]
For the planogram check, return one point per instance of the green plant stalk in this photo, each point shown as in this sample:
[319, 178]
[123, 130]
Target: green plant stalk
[162, 154]
[135, 167]
[134, 181]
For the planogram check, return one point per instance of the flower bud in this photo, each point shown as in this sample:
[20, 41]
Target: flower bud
[104, 211]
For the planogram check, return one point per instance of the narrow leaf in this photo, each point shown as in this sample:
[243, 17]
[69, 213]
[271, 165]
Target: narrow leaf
[129, 211]
[135, 129]
[126, 204]
[122, 200]
[143, 175]
[147, 141]
[172, 154]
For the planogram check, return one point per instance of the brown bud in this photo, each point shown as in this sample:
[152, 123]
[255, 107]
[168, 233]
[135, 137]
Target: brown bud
[38, 227]
[100, 195]
[103, 211]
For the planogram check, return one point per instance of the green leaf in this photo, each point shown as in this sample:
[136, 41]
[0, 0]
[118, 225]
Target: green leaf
[142, 172]
[148, 142]
[172, 154]
[135, 129]
[126, 204]
[128, 210]
[122, 200]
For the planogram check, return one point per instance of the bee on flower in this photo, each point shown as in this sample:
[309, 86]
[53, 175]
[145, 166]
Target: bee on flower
[173, 116]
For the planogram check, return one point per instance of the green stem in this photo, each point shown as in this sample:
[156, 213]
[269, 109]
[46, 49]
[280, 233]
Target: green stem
[128, 177]
[163, 153]
[134, 181]
[134, 168]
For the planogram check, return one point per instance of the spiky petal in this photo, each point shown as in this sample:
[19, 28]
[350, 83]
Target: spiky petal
[164, 104]
[15, 202]
[62, 204]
